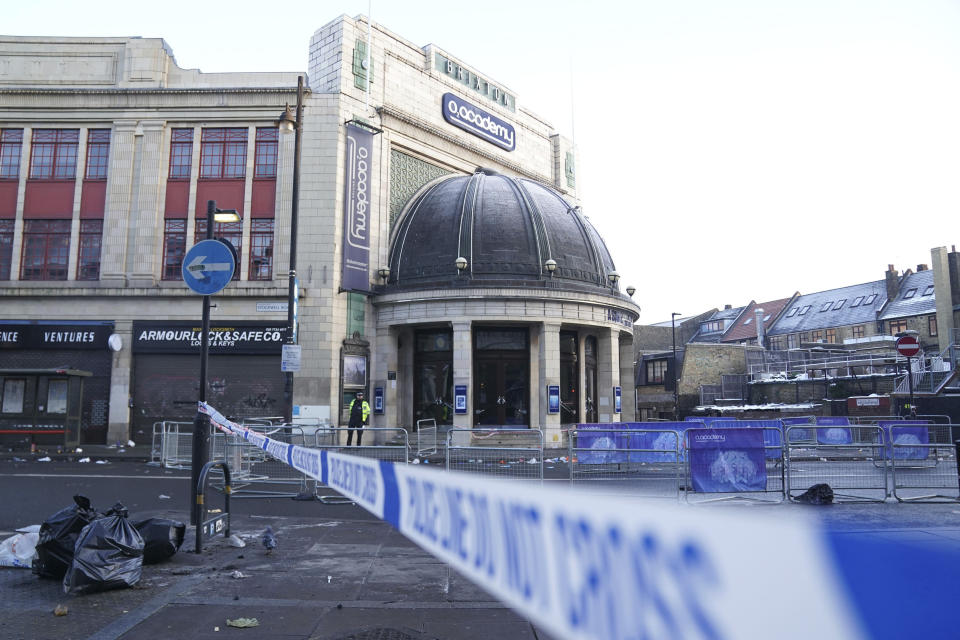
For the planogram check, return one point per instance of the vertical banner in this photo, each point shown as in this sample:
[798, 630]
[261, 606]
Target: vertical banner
[617, 400]
[356, 209]
[553, 398]
[460, 398]
[378, 399]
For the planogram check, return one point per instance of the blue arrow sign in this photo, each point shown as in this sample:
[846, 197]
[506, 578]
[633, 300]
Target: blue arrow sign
[208, 267]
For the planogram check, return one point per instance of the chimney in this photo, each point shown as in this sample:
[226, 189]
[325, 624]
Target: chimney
[758, 312]
[953, 267]
[727, 307]
[922, 267]
[893, 282]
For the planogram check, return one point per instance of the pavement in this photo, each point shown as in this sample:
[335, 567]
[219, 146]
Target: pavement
[337, 574]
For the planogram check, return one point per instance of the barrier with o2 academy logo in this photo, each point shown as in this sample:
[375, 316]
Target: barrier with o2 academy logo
[583, 565]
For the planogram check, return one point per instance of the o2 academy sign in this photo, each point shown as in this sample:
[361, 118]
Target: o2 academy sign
[472, 118]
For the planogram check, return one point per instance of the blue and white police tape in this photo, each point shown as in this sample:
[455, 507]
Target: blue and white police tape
[583, 565]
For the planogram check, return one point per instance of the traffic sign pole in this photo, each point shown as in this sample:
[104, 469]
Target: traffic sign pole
[908, 346]
[910, 379]
[201, 423]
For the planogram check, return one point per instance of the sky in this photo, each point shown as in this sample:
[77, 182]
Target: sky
[728, 151]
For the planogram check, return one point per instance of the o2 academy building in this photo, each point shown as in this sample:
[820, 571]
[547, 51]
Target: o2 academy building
[444, 265]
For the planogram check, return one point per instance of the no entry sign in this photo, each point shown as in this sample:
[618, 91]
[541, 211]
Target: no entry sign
[908, 346]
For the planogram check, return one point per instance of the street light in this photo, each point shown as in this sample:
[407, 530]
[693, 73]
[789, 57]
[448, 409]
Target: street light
[291, 122]
[676, 391]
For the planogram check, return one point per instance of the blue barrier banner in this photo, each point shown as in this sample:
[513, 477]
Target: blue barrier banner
[831, 421]
[798, 434]
[602, 444]
[906, 433]
[663, 444]
[772, 435]
[728, 460]
[834, 435]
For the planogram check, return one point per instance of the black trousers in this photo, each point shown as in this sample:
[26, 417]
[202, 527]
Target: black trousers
[359, 430]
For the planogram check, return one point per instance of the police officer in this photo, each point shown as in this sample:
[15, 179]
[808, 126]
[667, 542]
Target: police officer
[359, 416]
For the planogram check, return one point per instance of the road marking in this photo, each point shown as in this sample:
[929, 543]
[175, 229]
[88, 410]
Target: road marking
[80, 475]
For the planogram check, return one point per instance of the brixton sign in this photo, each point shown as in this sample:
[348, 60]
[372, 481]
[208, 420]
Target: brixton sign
[472, 118]
[908, 346]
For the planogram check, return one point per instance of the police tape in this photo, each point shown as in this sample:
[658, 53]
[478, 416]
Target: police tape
[584, 565]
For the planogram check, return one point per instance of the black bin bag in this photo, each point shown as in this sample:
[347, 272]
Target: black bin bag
[58, 537]
[161, 538]
[109, 555]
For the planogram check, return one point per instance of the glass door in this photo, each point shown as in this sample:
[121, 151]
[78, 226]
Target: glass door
[501, 378]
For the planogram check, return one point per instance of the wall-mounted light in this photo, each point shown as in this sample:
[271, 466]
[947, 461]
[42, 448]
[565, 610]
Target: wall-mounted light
[551, 266]
[631, 290]
[461, 263]
[384, 273]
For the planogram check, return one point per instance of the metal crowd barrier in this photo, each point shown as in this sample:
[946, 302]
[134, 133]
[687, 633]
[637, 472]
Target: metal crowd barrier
[506, 453]
[255, 473]
[176, 444]
[643, 462]
[843, 456]
[923, 463]
[737, 467]
[395, 448]
[426, 437]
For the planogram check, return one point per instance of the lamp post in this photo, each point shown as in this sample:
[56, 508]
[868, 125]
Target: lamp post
[676, 390]
[292, 123]
[201, 424]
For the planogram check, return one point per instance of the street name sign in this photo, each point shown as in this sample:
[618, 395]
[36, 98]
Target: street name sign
[208, 267]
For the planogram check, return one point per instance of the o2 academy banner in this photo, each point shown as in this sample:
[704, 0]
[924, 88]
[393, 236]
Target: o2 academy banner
[356, 209]
[225, 337]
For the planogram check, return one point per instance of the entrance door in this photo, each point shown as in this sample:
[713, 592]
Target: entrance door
[501, 378]
[569, 378]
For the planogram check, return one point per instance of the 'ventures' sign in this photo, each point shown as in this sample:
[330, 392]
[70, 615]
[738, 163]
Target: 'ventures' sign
[54, 336]
[227, 337]
[356, 209]
[472, 118]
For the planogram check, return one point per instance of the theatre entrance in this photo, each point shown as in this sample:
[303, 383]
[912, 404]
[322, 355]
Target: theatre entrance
[501, 377]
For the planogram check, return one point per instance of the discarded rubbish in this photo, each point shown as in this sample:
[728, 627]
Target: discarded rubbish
[164, 497]
[238, 575]
[532, 461]
[161, 538]
[44, 459]
[243, 623]
[78, 450]
[60, 610]
[32, 528]
[84, 460]
[817, 494]
[16, 459]
[328, 579]
[131, 444]
[235, 541]
[19, 550]
[109, 555]
[416, 461]
[58, 538]
[214, 510]
[102, 462]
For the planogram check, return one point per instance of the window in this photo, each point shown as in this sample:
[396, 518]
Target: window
[792, 341]
[766, 318]
[713, 325]
[793, 312]
[88, 256]
[181, 154]
[897, 326]
[826, 306]
[831, 335]
[804, 310]
[656, 371]
[870, 298]
[839, 304]
[230, 231]
[932, 325]
[929, 290]
[816, 336]
[6, 248]
[174, 247]
[748, 321]
[223, 153]
[53, 154]
[261, 249]
[13, 395]
[856, 302]
[857, 331]
[265, 153]
[46, 249]
[57, 396]
[910, 293]
[11, 141]
[98, 151]
[777, 343]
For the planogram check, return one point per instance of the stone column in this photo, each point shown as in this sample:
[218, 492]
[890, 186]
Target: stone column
[628, 379]
[463, 372]
[143, 258]
[119, 214]
[118, 419]
[387, 360]
[944, 295]
[608, 373]
[549, 356]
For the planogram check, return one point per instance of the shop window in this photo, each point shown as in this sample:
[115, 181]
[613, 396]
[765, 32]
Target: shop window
[88, 257]
[181, 154]
[265, 153]
[46, 250]
[57, 396]
[932, 325]
[831, 336]
[229, 231]
[261, 249]
[11, 141]
[897, 326]
[53, 154]
[13, 390]
[98, 152]
[656, 370]
[858, 331]
[223, 154]
[174, 247]
[6, 248]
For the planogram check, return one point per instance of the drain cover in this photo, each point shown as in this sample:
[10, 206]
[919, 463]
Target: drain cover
[380, 634]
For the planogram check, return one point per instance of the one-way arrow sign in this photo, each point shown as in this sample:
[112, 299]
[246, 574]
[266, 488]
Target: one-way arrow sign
[208, 267]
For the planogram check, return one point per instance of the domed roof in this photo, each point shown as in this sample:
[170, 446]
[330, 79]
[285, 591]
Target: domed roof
[506, 228]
